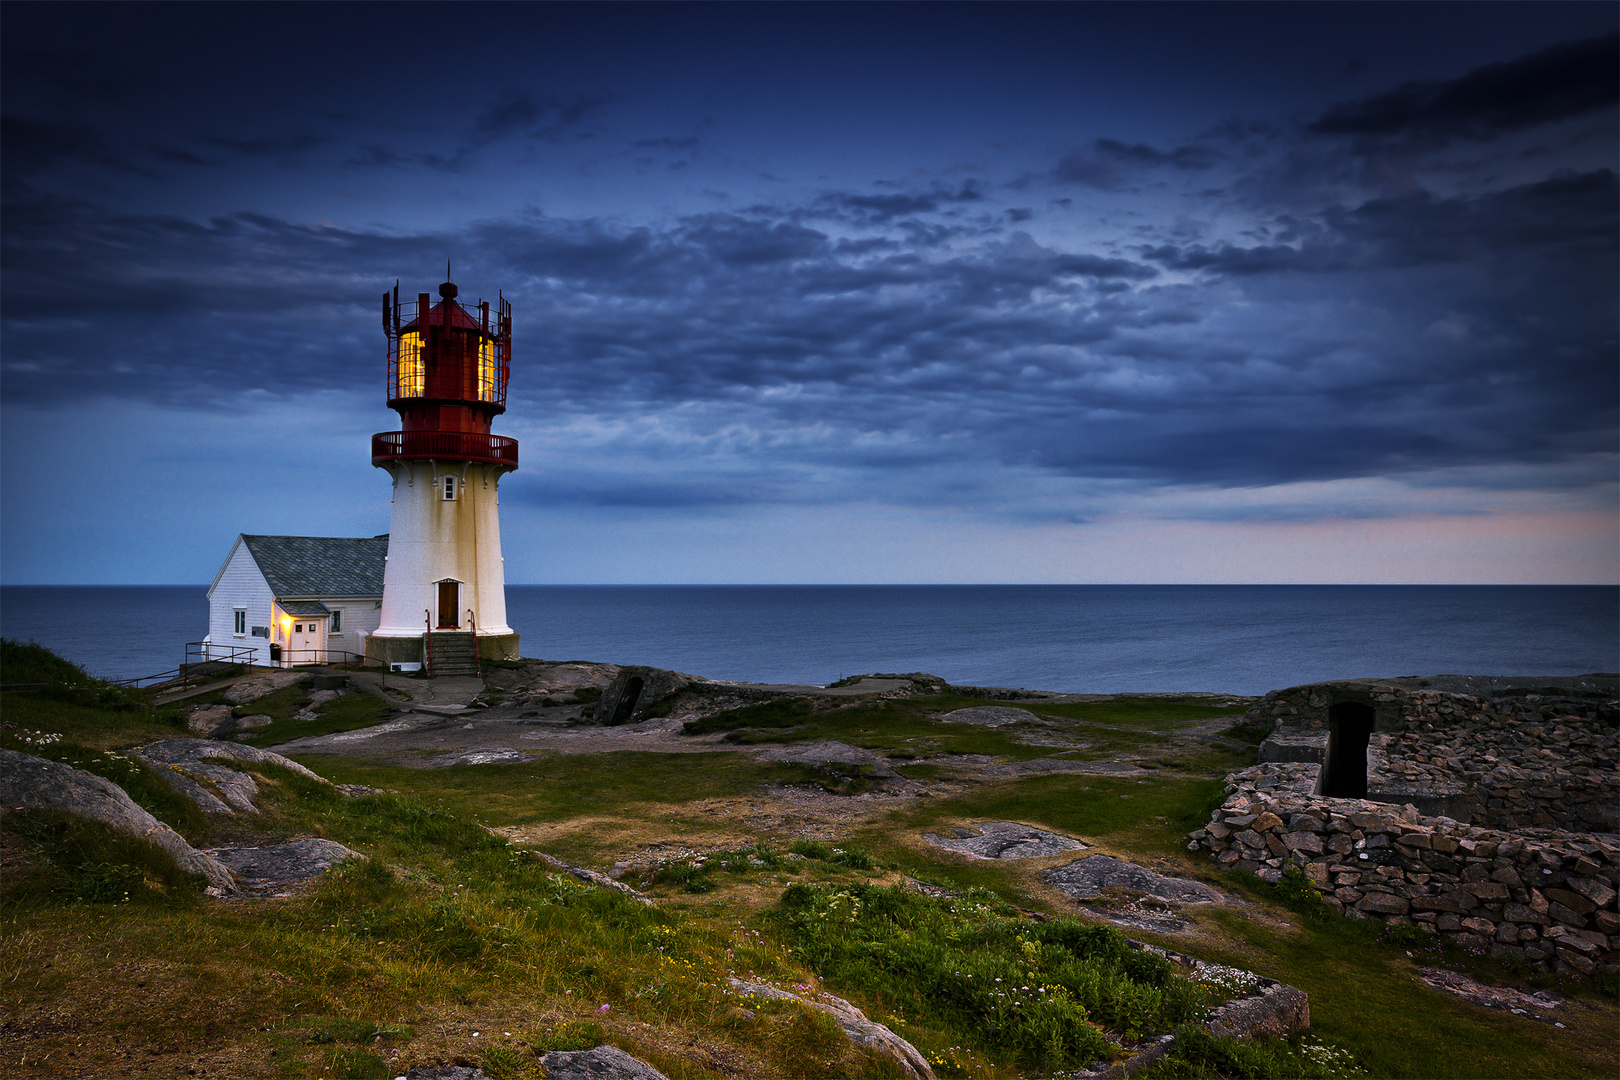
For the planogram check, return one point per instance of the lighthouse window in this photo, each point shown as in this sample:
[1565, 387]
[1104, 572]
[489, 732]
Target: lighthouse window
[449, 489]
[411, 376]
[486, 369]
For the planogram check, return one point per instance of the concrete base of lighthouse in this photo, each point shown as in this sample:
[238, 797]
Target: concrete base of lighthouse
[388, 651]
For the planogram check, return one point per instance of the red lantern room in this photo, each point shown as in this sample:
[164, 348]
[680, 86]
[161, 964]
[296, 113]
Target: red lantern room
[447, 369]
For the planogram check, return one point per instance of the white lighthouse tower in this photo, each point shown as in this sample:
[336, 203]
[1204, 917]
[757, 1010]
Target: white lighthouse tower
[444, 588]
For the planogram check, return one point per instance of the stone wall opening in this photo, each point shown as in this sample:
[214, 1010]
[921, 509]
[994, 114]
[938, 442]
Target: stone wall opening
[632, 694]
[1344, 773]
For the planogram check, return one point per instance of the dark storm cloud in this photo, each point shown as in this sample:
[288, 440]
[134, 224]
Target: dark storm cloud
[1554, 84]
[901, 331]
[278, 146]
[520, 113]
[1109, 164]
[1564, 218]
[515, 115]
[882, 208]
[32, 148]
[1066, 361]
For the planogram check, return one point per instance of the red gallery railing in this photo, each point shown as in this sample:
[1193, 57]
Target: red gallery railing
[443, 445]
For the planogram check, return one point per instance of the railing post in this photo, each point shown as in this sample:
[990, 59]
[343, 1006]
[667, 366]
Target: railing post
[472, 623]
[427, 614]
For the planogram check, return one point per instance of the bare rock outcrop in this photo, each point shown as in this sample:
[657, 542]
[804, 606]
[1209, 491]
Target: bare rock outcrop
[196, 769]
[1084, 878]
[603, 1063]
[860, 1031]
[826, 753]
[636, 692]
[271, 870]
[257, 686]
[1004, 840]
[988, 716]
[34, 783]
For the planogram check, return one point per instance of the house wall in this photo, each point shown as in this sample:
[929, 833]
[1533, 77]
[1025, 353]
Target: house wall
[240, 585]
[360, 616]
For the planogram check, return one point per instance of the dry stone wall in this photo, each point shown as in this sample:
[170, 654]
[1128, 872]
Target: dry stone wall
[1504, 753]
[1540, 895]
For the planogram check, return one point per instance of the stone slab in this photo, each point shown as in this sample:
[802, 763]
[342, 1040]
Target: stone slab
[1004, 840]
[1085, 878]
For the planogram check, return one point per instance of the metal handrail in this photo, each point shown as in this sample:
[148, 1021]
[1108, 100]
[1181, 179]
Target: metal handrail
[472, 624]
[427, 617]
[350, 658]
[237, 654]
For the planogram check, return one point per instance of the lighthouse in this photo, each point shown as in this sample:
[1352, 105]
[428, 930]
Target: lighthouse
[444, 587]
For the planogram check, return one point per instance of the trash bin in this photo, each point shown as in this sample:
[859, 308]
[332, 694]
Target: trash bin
[275, 655]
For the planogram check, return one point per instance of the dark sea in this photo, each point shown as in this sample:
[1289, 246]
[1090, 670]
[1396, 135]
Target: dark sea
[1240, 639]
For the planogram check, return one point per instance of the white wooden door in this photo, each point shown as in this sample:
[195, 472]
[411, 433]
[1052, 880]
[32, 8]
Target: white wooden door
[307, 642]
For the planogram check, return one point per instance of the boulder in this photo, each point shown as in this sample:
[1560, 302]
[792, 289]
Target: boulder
[603, 1063]
[634, 692]
[34, 783]
[207, 719]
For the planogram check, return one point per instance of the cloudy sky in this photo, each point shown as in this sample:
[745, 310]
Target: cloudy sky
[821, 293]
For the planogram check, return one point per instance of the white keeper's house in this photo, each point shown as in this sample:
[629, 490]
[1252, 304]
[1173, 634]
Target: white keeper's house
[297, 599]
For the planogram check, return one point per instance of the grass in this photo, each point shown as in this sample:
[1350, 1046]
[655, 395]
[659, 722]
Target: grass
[902, 729]
[346, 713]
[448, 944]
[1141, 712]
[1046, 995]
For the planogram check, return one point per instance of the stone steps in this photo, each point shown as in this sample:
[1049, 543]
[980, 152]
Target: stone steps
[453, 654]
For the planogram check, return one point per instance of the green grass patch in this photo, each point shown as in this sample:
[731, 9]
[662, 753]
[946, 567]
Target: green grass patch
[1140, 711]
[282, 704]
[1365, 997]
[904, 728]
[34, 720]
[1161, 810]
[346, 713]
[783, 712]
[1049, 995]
[1196, 1054]
[558, 787]
[75, 861]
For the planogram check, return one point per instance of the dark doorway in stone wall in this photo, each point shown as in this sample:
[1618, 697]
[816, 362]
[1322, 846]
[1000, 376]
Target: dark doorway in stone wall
[1350, 725]
[632, 694]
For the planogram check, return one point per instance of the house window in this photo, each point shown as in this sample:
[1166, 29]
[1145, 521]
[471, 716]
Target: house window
[239, 622]
[449, 489]
[298, 628]
[337, 622]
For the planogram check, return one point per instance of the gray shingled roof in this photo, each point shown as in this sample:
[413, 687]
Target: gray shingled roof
[320, 565]
[307, 608]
